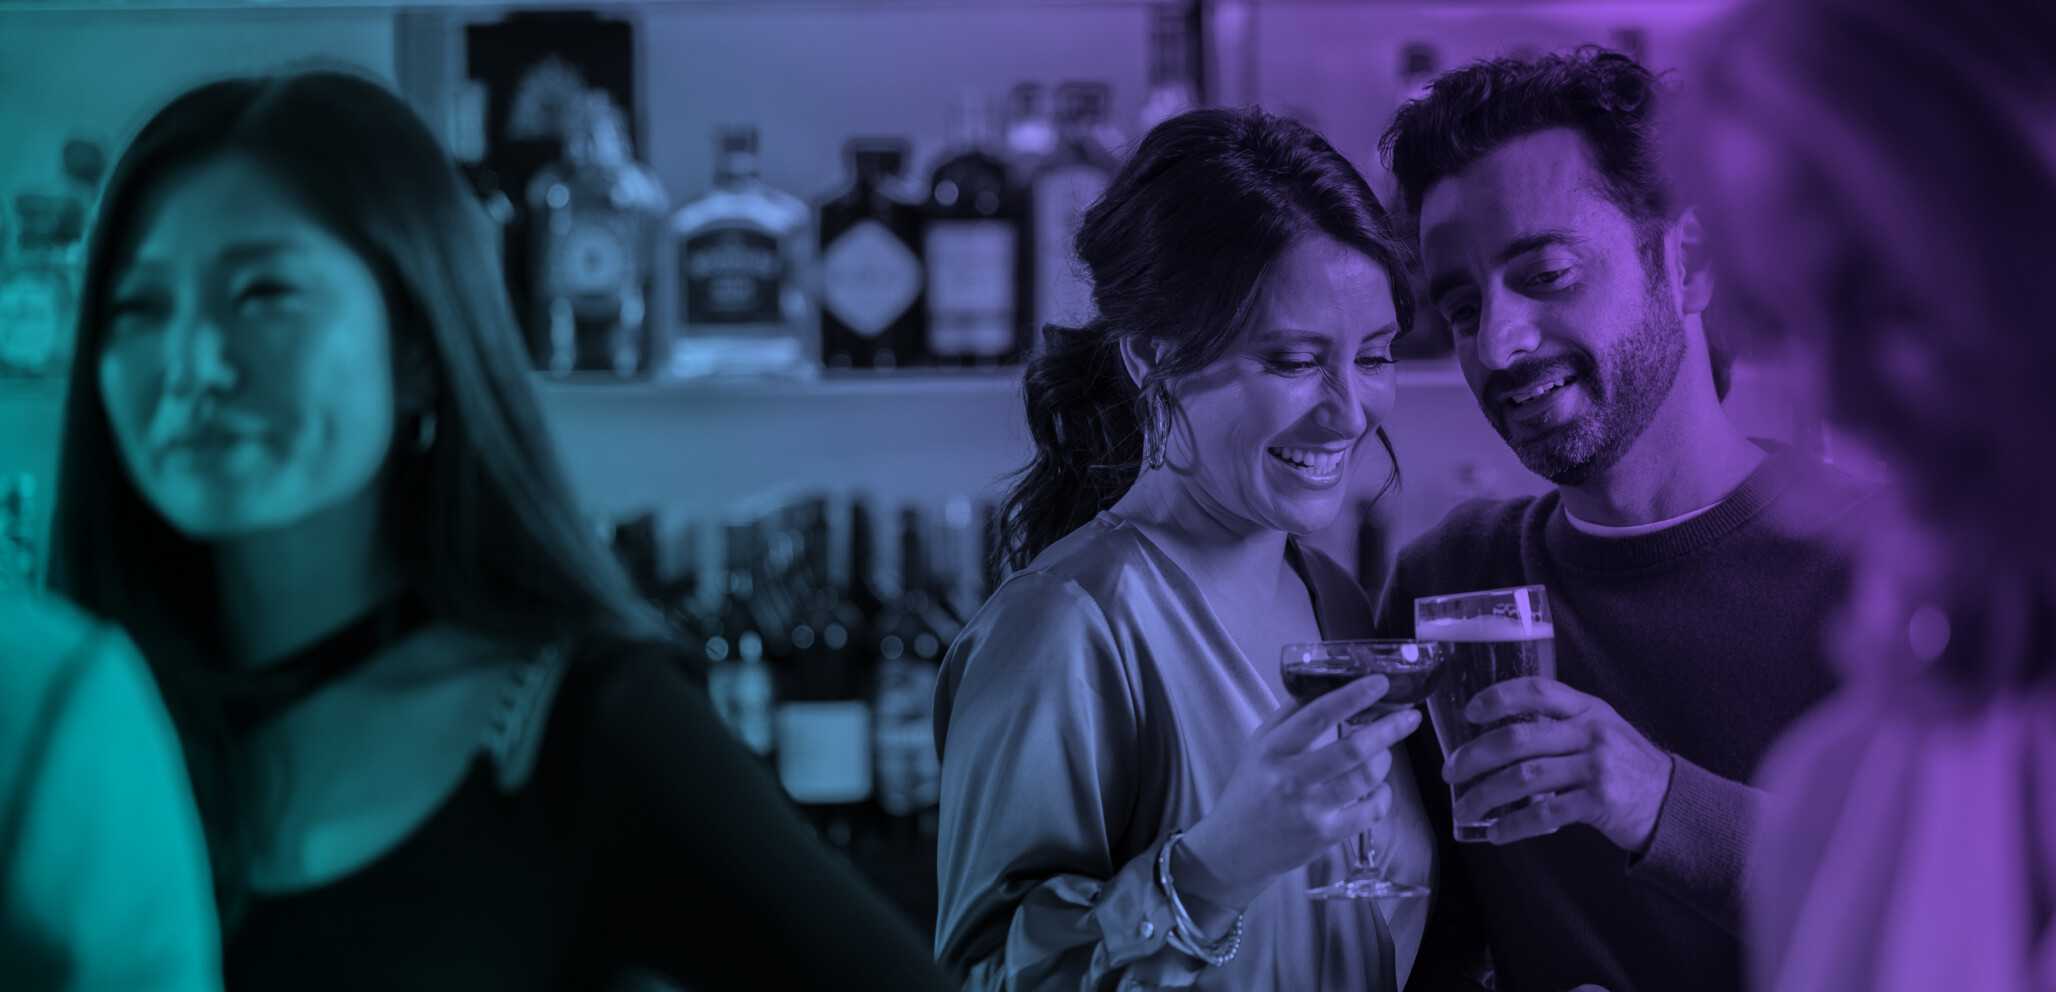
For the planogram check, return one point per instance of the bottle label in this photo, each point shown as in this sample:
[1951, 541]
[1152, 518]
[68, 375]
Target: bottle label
[869, 278]
[592, 261]
[971, 287]
[731, 275]
[1063, 290]
[824, 751]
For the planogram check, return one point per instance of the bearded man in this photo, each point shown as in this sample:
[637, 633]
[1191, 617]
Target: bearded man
[1689, 569]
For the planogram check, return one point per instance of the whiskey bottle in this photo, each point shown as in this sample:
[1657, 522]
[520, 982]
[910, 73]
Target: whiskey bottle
[872, 314]
[977, 247]
[594, 216]
[737, 259]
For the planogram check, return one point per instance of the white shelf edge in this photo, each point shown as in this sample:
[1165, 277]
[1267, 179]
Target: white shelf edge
[1420, 374]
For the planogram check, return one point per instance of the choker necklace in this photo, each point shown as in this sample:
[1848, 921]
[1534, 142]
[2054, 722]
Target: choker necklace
[252, 698]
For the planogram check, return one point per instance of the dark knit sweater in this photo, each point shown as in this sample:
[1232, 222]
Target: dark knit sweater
[1706, 637]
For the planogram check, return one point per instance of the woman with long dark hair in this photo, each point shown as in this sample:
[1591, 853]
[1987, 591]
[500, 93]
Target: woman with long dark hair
[1880, 175]
[435, 737]
[1125, 799]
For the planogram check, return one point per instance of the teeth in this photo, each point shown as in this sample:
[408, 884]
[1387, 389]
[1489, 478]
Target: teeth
[1538, 390]
[1313, 460]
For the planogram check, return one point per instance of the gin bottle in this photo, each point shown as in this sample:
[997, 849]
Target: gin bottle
[595, 216]
[1065, 186]
[872, 314]
[977, 248]
[737, 258]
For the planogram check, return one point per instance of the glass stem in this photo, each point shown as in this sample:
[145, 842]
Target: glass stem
[1363, 853]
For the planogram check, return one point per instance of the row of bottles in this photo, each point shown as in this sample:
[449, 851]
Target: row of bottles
[955, 267]
[823, 626]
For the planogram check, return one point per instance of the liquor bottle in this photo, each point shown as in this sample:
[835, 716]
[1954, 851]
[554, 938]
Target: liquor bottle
[736, 262]
[1065, 186]
[1031, 131]
[824, 727]
[910, 650]
[468, 148]
[978, 248]
[1172, 90]
[872, 314]
[958, 568]
[38, 287]
[594, 217]
[738, 682]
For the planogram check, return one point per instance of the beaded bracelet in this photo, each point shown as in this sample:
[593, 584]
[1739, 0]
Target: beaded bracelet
[1185, 934]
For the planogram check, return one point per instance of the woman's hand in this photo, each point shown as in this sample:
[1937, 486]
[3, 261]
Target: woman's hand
[1288, 801]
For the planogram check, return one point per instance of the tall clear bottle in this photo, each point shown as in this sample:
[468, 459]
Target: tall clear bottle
[1173, 89]
[978, 247]
[1031, 131]
[872, 279]
[595, 216]
[737, 261]
[1064, 187]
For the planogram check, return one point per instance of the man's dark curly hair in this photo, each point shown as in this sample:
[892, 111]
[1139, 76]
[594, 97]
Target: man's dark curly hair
[1606, 97]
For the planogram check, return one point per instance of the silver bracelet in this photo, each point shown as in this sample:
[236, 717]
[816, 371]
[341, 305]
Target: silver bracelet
[1185, 934]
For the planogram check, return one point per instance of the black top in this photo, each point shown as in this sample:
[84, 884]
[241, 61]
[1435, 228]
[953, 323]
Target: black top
[646, 839]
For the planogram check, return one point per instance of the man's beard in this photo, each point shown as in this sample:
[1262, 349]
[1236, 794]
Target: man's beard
[1627, 383]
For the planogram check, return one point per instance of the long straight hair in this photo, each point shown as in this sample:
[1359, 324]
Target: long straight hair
[483, 523]
[1178, 247]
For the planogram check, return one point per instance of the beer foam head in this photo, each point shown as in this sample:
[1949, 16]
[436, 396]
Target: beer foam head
[1484, 629]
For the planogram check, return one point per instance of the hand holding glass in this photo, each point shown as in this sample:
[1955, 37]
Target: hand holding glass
[1490, 637]
[1316, 669]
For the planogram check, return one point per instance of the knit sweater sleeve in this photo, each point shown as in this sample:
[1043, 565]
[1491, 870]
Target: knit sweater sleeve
[1702, 841]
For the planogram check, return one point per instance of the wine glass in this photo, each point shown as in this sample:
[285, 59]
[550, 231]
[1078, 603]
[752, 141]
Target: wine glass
[1314, 669]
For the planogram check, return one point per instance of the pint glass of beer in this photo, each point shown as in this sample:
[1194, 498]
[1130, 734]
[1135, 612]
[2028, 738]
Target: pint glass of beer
[1491, 636]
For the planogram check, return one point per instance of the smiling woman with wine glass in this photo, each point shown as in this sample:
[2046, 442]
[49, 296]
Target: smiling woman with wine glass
[1129, 796]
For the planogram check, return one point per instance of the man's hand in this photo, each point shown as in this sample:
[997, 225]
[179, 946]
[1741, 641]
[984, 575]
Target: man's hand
[1578, 757]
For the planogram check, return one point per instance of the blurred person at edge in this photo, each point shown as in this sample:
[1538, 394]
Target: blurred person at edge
[1688, 566]
[1116, 707]
[103, 869]
[1882, 177]
[435, 737]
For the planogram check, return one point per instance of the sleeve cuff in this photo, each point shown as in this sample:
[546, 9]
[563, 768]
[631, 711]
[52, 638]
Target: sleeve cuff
[1702, 841]
[1134, 922]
